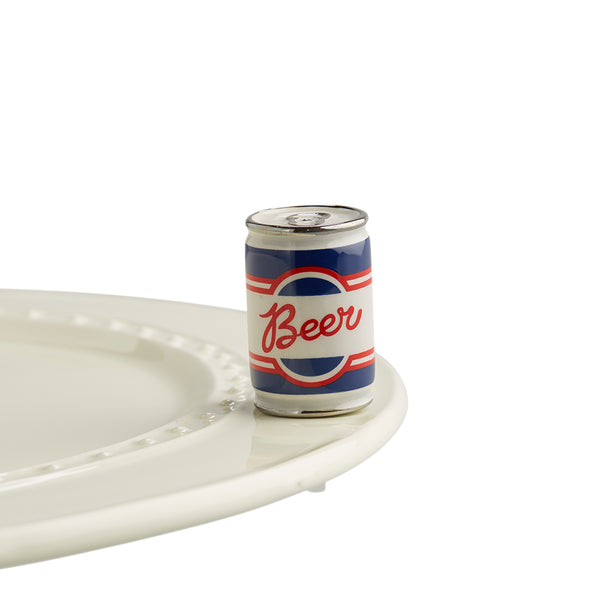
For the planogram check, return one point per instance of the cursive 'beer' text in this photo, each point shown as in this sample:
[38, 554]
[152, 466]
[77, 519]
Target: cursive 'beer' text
[281, 333]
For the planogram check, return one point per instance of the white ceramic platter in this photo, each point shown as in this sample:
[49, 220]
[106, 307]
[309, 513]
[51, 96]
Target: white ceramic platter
[122, 418]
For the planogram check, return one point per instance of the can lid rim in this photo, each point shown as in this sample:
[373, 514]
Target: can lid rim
[359, 219]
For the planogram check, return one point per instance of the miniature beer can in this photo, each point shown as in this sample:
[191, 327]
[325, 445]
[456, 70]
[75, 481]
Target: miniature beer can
[310, 310]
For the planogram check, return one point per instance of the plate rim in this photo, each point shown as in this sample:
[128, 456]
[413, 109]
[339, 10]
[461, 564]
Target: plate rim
[197, 504]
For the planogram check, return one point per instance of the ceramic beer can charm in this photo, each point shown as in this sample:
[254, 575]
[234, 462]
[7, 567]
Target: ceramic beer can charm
[310, 310]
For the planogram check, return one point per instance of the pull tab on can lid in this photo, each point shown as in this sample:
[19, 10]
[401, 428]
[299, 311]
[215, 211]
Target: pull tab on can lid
[307, 219]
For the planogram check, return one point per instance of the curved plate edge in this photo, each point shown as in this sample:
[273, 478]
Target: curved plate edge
[72, 534]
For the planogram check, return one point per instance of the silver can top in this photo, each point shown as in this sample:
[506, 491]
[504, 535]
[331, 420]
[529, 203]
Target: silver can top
[312, 218]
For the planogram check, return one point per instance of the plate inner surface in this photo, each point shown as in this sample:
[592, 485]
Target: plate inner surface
[74, 389]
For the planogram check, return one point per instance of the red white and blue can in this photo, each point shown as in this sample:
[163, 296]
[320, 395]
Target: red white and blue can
[310, 310]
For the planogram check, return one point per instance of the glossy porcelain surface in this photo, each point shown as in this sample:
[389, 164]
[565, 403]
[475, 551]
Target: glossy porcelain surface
[124, 418]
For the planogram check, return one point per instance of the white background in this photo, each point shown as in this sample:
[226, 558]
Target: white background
[135, 137]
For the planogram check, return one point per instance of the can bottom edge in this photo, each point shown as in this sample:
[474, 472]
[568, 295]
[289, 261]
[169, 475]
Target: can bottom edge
[320, 405]
[310, 414]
